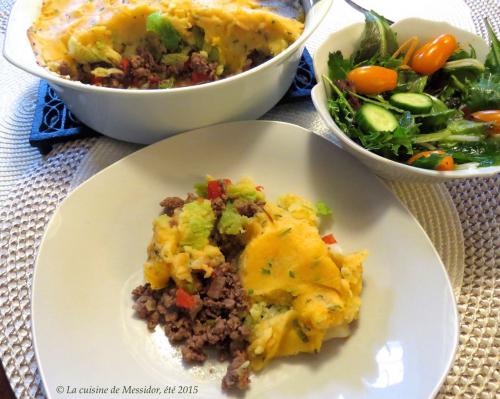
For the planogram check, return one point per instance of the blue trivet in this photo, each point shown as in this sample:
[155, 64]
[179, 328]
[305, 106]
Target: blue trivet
[54, 123]
[304, 79]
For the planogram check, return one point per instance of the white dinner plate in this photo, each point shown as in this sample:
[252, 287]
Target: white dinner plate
[87, 338]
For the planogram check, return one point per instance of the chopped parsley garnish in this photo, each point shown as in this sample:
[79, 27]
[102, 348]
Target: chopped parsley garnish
[285, 232]
[291, 274]
[250, 291]
[265, 271]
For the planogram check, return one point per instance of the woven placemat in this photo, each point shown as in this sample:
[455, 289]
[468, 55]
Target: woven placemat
[37, 185]
[30, 206]
[23, 220]
[476, 371]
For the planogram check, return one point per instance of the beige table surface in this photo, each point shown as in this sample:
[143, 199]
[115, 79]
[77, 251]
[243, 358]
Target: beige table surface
[460, 218]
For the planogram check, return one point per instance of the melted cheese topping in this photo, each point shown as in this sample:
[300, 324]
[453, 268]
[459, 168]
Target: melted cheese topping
[234, 27]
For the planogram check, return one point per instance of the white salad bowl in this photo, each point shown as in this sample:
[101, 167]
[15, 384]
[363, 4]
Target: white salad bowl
[146, 116]
[346, 40]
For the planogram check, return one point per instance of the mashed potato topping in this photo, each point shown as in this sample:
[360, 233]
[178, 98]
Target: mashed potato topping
[70, 35]
[301, 291]
[298, 291]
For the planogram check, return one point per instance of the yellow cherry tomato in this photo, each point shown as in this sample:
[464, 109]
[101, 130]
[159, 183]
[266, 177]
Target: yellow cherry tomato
[492, 115]
[446, 163]
[433, 55]
[373, 79]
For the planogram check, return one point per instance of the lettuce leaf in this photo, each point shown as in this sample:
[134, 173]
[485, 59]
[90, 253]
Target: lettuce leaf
[486, 153]
[483, 93]
[410, 82]
[493, 58]
[378, 39]
[338, 66]
[429, 162]
[393, 144]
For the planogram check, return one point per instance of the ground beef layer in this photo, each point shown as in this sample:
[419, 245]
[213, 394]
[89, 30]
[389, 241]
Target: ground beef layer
[145, 71]
[215, 321]
[221, 305]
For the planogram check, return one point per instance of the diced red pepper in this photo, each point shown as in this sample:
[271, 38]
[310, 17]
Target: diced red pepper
[259, 188]
[329, 239]
[227, 182]
[197, 77]
[95, 80]
[183, 299]
[214, 189]
[125, 65]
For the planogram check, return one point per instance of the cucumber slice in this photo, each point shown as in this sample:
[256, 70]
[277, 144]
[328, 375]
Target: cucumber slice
[414, 102]
[371, 117]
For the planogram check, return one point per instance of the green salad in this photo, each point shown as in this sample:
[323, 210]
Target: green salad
[432, 105]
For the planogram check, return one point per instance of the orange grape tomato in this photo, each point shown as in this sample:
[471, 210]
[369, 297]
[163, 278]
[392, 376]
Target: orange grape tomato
[492, 115]
[446, 163]
[373, 79]
[423, 154]
[408, 48]
[433, 55]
